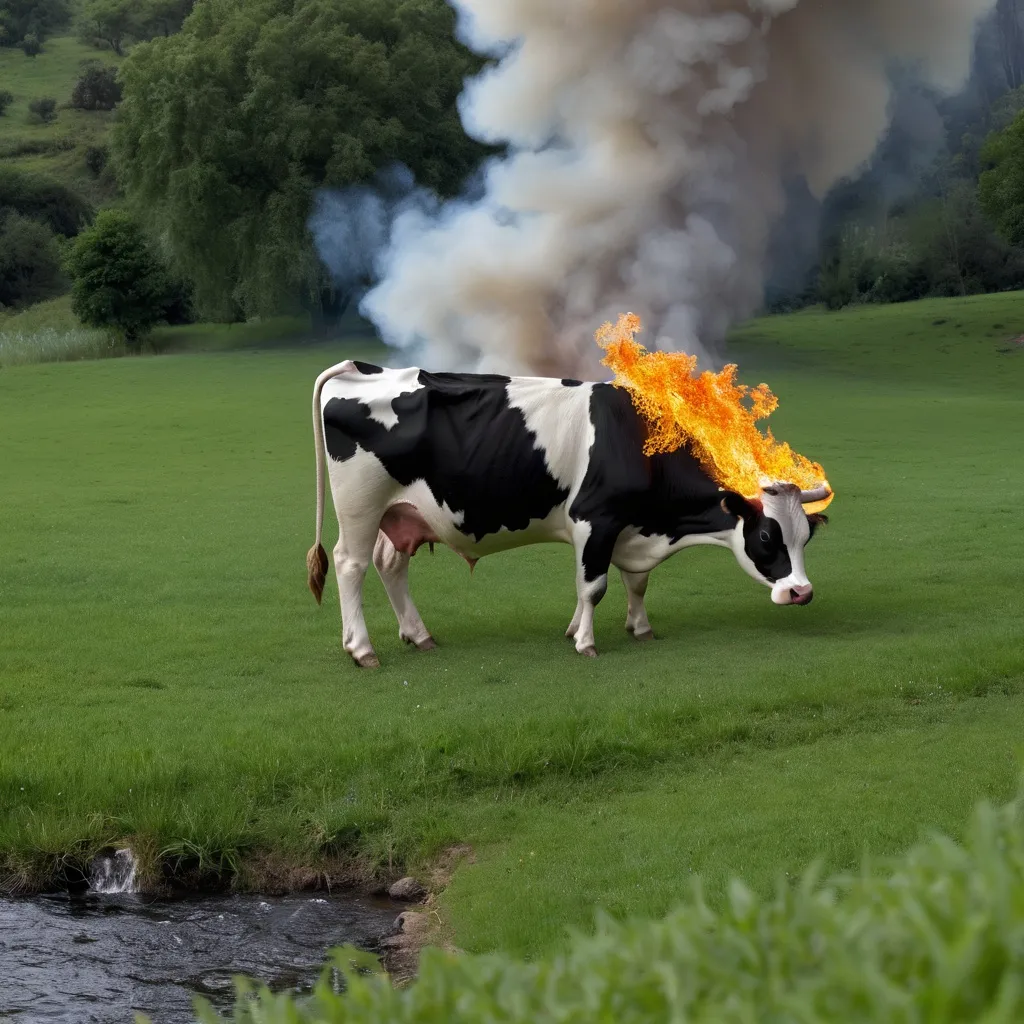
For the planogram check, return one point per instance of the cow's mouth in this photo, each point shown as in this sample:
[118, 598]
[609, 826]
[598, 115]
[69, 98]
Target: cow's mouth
[797, 598]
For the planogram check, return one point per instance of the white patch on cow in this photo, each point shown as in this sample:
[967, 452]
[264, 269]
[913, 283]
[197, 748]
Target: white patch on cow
[377, 391]
[635, 552]
[559, 418]
[785, 508]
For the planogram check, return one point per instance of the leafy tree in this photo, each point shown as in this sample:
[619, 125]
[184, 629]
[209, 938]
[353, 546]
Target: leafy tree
[31, 45]
[6, 99]
[227, 128]
[119, 282]
[96, 89]
[29, 261]
[43, 109]
[1001, 188]
[20, 19]
[113, 22]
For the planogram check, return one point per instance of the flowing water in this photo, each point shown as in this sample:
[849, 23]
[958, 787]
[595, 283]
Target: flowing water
[101, 956]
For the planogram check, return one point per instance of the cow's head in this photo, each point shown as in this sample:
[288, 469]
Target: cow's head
[771, 534]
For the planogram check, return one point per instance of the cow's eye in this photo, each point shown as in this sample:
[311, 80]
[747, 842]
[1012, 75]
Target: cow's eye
[766, 537]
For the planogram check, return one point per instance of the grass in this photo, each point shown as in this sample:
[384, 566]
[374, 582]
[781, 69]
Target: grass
[56, 149]
[167, 679]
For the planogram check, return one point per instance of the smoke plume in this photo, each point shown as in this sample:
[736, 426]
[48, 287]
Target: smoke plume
[648, 146]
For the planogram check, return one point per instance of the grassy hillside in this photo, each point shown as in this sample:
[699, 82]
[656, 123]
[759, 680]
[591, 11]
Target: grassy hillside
[169, 681]
[56, 149]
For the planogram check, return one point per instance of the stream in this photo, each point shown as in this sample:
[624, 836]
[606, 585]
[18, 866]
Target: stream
[101, 956]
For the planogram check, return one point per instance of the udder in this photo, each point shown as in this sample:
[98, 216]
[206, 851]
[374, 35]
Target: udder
[408, 530]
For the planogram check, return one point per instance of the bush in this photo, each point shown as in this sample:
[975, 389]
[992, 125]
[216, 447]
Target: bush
[96, 89]
[29, 261]
[31, 45]
[96, 159]
[6, 99]
[937, 938]
[119, 283]
[43, 109]
[41, 198]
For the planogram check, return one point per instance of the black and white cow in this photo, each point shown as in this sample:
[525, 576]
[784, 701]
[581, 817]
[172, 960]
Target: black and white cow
[484, 463]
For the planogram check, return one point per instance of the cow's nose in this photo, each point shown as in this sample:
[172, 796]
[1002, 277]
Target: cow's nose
[802, 595]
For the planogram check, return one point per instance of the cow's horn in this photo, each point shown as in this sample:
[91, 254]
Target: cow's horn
[818, 494]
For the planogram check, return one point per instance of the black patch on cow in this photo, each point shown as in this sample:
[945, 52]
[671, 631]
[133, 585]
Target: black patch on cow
[766, 548]
[367, 368]
[570, 382]
[668, 495]
[459, 434]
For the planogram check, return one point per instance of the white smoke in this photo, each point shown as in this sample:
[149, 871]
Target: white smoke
[648, 142]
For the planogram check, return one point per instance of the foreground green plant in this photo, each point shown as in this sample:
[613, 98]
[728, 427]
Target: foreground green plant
[935, 937]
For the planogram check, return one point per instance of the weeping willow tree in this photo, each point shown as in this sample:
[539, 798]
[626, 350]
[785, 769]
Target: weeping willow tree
[228, 128]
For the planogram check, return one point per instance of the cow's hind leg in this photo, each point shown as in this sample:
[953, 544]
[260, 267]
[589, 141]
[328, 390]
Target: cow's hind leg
[393, 567]
[352, 555]
[636, 614]
[593, 544]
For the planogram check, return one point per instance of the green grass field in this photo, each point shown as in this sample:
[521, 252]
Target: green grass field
[167, 679]
[56, 149]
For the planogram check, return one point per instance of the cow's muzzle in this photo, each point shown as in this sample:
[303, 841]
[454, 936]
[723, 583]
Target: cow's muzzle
[800, 593]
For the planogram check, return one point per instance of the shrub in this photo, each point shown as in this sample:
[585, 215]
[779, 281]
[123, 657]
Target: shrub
[96, 159]
[29, 261]
[34, 195]
[31, 45]
[43, 109]
[119, 283]
[96, 89]
[937, 937]
[6, 99]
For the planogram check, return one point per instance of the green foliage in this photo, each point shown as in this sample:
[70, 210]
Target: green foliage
[1001, 187]
[29, 261]
[935, 936]
[31, 45]
[227, 128]
[6, 99]
[96, 89]
[113, 22]
[96, 158]
[43, 109]
[118, 281]
[41, 198]
[22, 19]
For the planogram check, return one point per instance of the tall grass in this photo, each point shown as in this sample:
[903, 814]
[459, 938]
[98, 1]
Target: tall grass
[54, 345]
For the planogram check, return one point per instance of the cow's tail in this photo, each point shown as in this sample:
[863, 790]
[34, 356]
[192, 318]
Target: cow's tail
[316, 558]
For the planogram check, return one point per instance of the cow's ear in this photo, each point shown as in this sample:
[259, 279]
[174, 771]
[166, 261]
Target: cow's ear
[736, 505]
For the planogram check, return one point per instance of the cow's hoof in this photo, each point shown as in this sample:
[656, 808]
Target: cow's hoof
[367, 660]
[570, 634]
[589, 652]
[642, 637]
[426, 645]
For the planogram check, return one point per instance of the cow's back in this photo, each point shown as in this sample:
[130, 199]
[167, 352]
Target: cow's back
[496, 452]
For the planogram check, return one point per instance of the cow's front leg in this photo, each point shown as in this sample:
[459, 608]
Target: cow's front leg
[393, 567]
[593, 544]
[636, 614]
[352, 555]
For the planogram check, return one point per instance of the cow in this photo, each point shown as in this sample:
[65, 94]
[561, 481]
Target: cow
[485, 463]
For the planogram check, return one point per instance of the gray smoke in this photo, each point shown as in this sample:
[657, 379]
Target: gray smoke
[649, 141]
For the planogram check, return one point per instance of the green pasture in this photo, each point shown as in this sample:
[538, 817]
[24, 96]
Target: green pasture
[166, 679]
[56, 149]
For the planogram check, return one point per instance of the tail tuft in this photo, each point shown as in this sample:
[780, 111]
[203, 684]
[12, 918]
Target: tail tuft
[316, 566]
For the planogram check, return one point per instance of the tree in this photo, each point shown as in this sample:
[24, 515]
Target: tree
[6, 99]
[227, 129]
[41, 198]
[1001, 187]
[29, 261]
[113, 21]
[36, 18]
[96, 89]
[119, 282]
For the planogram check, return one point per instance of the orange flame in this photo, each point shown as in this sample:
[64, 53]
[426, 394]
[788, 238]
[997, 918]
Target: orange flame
[708, 411]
